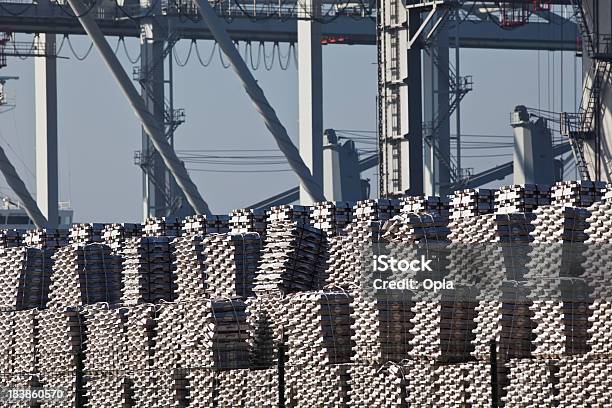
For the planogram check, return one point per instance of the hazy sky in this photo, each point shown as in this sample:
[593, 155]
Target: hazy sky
[98, 133]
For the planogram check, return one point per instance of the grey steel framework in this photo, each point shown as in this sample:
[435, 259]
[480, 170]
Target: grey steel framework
[160, 24]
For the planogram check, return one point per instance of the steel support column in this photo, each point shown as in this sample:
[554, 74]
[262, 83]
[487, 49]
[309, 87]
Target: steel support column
[400, 105]
[151, 125]
[310, 93]
[314, 188]
[45, 89]
[155, 177]
[436, 97]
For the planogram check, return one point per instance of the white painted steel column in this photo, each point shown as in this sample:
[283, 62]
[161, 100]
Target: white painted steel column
[310, 92]
[45, 88]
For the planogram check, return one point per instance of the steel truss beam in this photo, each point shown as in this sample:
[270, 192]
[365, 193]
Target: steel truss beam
[153, 129]
[260, 101]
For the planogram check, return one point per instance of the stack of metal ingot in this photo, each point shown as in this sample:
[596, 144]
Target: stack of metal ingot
[471, 203]
[532, 383]
[331, 217]
[194, 225]
[597, 276]
[114, 235]
[148, 271]
[319, 345]
[18, 332]
[423, 204]
[559, 294]
[162, 226]
[45, 238]
[297, 213]
[25, 279]
[216, 341]
[293, 258]
[217, 224]
[140, 353]
[83, 275]
[381, 209]
[520, 198]
[584, 381]
[231, 263]
[582, 193]
[387, 386]
[10, 238]
[248, 220]
[190, 268]
[61, 332]
[105, 375]
[86, 233]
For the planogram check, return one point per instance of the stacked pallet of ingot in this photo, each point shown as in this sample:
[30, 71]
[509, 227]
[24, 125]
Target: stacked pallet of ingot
[217, 340]
[532, 383]
[61, 332]
[560, 299]
[217, 224]
[421, 237]
[10, 238]
[248, 220]
[85, 274]
[521, 198]
[168, 377]
[194, 225]
[584, 381]
[46, 238]
[577, 193]
[114, 235]
[148, 271]
[319, 333]
[86, 233]
[433, 385]
[331, 217]
[162, 226]
[423, 204]
[190, 268]
[231, 263]
[386, 386]
[140, 353]
[293, 258]
[471, 203]
[105, 366]
[297, 213]
[597, 276]
[381, 209]
[25, 279]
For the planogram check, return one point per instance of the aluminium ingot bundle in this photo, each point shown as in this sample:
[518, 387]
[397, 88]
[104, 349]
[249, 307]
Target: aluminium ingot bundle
[377, 386]
[293, 258]
[425, 204]
[85, 274]
[26, 278]
[381, 209]
[291, 213]
[10, 238]
[248, 220]
[46, 238]
[521, 198]
[471, 202]
[581, 193]
[232, 261]
[331, 217]
[162, 226]
[148, 271]
[532, 383]
[85, 233]
[201, 224]
[317, 386]
[190, 268]
[114, 235]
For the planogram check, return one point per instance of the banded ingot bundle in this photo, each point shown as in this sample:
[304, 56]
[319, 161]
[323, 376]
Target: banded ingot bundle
[248, 220]
[381, 209]
[26, 278]
[46, 238]
[471, 202]
[85, 274]
[114, 235]
[577, 193]
[292, 213]
[521, 198]
[148, 271]
[232, 261]
[86, 233]
[162, 226]
[331, 217]
[423, 204]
